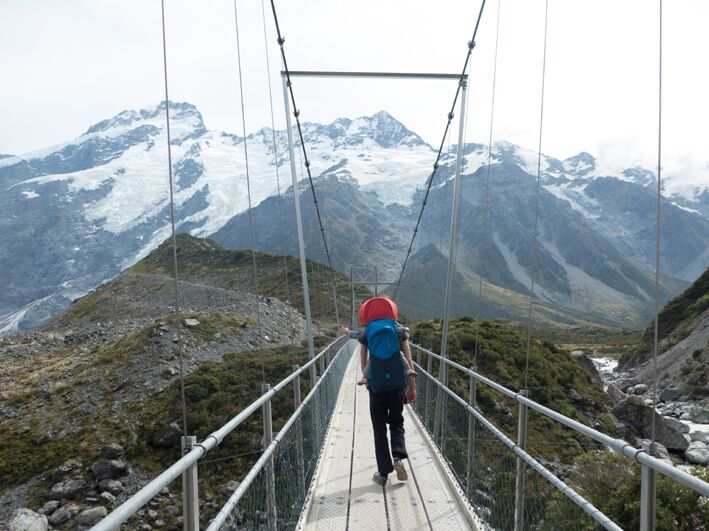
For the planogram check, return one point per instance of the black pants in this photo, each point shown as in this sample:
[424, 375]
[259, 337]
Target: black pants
[387, 408]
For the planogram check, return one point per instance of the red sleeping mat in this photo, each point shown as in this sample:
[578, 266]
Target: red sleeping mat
[377, 308]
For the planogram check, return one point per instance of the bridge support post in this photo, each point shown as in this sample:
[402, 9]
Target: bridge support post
[270, 476]
[647, 499]
[299, 229]
[471, 438]
[429, 370]
[352, 322]
[299, 435]
[521, 465]
[190, 495]
[442, 399]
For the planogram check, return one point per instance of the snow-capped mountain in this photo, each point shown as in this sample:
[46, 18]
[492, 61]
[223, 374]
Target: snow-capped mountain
[74, 215]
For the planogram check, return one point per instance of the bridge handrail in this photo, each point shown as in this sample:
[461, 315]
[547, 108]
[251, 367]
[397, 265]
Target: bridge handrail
[230, 504]
[619, 445]
[149, 491]
[579, 500]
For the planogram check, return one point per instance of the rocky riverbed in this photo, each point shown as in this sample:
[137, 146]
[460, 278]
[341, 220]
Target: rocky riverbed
[682, 423]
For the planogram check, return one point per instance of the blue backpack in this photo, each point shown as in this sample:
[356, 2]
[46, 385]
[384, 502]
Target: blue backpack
[386, 372]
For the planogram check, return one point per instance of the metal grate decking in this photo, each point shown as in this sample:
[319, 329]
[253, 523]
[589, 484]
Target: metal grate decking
[344, 495]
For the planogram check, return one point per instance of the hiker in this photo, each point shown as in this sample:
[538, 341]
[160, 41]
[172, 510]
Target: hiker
[385, 360]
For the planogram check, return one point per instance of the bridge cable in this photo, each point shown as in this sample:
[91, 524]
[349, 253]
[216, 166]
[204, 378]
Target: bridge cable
[248, 192]
[486, 200]
[275, 147]
[296, 113]
[471, 45]
[657, 244]
[536, 206]
[178, 319]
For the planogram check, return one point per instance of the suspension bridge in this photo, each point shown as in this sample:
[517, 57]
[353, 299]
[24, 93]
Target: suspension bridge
[465, 472]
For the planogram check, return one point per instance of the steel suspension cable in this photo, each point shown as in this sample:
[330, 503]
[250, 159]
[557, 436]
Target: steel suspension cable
[178, 319]
[248, 191]
[536, 205]
[657, 240]
[486, 198]
[275, 145]
[471, 45]
[296, 113]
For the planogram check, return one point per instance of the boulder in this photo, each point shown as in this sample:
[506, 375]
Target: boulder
[639, 389]
[701, 436]
[67, 468]
[91, 516]
[191, 323]
[49, 507]
[625, 383]
[575, 397]
[697, 453]
[615, 393]
[108, 497]
[111, 485]
[637, 418]
[66, 490]
[669, 394]
[699, 414]
[112, 451]
[27, 520]
[679, 426]
[64, 514]
[109, 468]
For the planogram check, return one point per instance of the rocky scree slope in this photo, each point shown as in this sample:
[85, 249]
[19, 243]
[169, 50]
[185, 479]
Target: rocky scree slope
[96, 374]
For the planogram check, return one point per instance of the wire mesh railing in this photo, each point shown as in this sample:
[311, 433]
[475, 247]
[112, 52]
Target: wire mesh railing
[486, 468]
[273, 493]
[298, 441]
[510, 489]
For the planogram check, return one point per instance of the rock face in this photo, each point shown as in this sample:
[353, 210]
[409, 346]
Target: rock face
[637, 418]
[26, 520]
[587, 365]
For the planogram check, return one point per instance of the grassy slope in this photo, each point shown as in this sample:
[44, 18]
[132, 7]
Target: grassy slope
[502, 357]
[674, 321]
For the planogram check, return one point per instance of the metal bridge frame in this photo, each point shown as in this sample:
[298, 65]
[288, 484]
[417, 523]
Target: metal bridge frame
[463, 81]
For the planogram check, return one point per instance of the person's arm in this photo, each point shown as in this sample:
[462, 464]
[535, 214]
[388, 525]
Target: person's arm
[362, 356]
[411, 375]
[406, 349]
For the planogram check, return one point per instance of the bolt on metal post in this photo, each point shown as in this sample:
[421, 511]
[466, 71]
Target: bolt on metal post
[647, 499]
[270, 476]
[190, 494]
[470, 468]
[522, 413]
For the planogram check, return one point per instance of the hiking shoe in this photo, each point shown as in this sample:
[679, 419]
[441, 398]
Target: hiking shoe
[400, 470]
[379, 479]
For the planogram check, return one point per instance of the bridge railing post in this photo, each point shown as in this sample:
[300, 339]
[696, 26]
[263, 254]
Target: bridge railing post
[299, 435]
[190, 494]
[270, 476]
[470, 468]
[647, 499]
[427, 412]
[522, 413]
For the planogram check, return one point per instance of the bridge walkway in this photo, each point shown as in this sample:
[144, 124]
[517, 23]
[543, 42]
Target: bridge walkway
[345, 496]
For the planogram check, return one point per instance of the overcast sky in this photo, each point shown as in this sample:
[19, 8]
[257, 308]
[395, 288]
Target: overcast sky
[66, 65]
